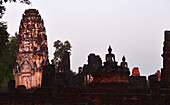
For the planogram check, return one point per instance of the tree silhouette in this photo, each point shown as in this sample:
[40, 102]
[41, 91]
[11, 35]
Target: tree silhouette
[8, 58]
[60, 47]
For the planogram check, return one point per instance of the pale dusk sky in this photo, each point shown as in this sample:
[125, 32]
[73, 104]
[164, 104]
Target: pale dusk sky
[134, 28]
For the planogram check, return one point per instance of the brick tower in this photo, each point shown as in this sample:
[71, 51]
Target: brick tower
[32, 52]
[165, 73]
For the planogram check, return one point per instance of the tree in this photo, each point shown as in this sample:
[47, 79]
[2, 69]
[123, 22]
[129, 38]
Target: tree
[7, 61]
[3, 37]
[60, 47]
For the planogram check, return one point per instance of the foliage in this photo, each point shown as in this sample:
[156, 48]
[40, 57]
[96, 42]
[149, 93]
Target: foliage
[60, 47]
[7, 61]
[3, 36]
[72, 73]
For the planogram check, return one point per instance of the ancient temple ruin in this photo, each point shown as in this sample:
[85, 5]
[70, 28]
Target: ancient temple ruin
[32, 51]
[111, 74]
[165, 72]
[97, 83]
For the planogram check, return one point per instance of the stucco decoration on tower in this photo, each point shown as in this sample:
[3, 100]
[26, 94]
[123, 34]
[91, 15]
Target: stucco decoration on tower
[32, 51]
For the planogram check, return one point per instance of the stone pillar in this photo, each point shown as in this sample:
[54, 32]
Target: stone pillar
[165, 72]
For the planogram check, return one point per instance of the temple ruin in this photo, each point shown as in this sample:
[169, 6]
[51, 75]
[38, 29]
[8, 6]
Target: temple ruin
[32, 51]
[165, 72]
[97, 83]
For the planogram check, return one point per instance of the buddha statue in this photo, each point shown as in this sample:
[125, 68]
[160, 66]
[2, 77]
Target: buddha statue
[110, 57]
[123, 63]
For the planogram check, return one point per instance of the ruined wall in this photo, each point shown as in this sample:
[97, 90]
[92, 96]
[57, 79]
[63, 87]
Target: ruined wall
[32, 52]
[165, 73]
